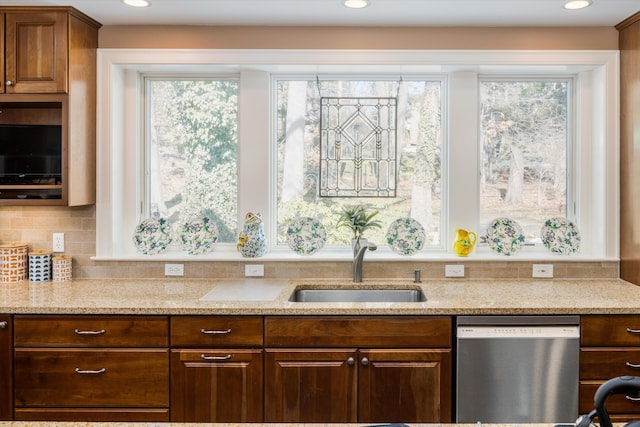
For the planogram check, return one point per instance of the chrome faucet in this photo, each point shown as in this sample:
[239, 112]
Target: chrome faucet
[358, 257]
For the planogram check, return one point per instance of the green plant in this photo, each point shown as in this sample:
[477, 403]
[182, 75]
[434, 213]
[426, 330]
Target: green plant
[358, 220]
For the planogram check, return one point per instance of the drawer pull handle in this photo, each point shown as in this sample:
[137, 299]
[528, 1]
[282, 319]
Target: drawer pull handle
[79, 332]
[633, 331]
[632, 365]
[205, 357]
[215, 332]
[90, 371]
[633, 399]
[3, 324]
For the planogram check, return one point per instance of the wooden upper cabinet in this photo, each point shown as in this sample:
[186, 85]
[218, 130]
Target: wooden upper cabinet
[48, 77]
[36, 52]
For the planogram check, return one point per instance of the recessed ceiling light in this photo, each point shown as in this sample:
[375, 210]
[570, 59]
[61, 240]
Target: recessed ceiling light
[577, 4]
[136, 3]
[356, 4]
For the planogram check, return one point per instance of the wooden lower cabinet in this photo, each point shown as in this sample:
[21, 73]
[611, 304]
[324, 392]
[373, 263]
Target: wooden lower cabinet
[216, 385]
[610, 347]
[226, 369]
[419, 381]
[349, 385]
[311, 386]
[216, 369]
[91, 368]
[6, 365]
[397, 369]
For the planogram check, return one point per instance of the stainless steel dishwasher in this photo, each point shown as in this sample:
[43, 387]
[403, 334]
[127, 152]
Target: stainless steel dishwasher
[517, 369]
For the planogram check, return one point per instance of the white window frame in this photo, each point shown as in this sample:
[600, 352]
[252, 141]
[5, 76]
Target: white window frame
[119, 134]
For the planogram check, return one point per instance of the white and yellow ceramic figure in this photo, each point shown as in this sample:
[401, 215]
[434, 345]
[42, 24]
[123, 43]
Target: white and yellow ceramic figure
[252, 241]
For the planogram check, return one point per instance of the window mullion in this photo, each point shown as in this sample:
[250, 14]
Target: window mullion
[254, 130]
[463, 153]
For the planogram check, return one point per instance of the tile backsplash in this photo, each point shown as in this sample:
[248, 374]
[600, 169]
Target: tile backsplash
[36, 225]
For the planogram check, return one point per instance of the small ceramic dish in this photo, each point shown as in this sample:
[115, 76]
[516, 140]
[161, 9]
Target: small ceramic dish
[406, 236]
[560, 236]
[198, 236]
[504, 236]
[306, 235]
[152, 236]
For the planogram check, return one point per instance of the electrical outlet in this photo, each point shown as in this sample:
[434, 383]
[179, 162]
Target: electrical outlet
[454, 271]
[543, 271]
[254, 270]
[58, 242]
[174, 269]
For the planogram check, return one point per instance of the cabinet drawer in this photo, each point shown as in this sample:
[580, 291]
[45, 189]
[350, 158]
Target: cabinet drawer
[610, 331]
[91, 331]
[51, 377]
[358, 331]
[605, 363]
[616, 404]
[216, 331]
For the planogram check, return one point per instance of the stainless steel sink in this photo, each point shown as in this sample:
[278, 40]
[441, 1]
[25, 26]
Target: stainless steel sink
[357, 295]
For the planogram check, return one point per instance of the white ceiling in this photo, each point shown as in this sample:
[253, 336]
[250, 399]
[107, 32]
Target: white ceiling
[333, 13]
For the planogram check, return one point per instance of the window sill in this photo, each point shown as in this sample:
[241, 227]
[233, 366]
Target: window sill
[339, 255]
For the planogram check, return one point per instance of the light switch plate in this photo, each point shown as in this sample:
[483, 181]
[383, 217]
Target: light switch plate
[254, 270]
[455, 270]
[544, 271]
[174, 269]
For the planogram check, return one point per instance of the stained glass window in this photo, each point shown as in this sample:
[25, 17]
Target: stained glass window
[358, 147]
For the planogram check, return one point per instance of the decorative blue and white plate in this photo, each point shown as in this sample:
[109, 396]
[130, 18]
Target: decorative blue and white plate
[406, 236]
[505, 236]
[306, 235]
[198, 236]
[560, 236]
[152, 236]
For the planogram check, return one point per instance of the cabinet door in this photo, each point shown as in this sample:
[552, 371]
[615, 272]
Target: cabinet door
[6, 363]
[310, 385]
[36, 52]
[411, 386]
[216, 386]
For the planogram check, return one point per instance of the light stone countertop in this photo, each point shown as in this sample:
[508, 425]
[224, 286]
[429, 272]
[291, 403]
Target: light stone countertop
[270, 297]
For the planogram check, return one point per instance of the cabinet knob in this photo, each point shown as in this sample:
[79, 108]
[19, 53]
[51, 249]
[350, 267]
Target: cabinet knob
[3, 324]
[364, 361]
[351, 361]
[8, 83]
